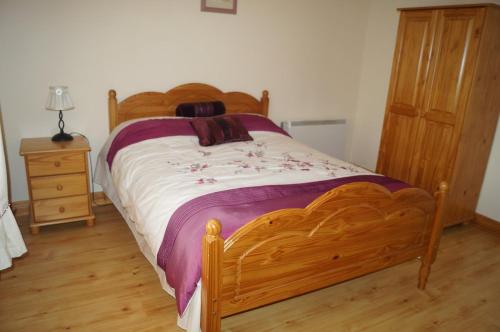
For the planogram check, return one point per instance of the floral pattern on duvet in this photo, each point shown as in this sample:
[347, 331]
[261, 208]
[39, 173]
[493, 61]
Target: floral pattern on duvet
[154, 177]
[252, 158]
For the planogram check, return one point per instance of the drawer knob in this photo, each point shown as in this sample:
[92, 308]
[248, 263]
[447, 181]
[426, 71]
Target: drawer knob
[59, 187]
[62, 209]
[57, 164]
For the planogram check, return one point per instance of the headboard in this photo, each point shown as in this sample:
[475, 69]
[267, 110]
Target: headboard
[147, 104]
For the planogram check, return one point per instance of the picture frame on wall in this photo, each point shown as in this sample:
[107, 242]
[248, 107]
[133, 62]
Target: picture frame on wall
[219, 6]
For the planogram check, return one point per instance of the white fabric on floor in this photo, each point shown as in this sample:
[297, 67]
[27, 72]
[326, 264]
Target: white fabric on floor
[11, 242]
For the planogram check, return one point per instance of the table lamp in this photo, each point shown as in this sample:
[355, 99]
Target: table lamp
[59, 100]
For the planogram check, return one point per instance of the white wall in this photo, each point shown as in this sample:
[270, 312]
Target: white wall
[307, 53]
[380, 39]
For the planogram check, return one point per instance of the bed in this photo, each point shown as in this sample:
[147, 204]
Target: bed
[359, 226]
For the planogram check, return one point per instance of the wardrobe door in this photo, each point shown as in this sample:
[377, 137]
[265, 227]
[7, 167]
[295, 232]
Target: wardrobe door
[452, 67]
[406, 93]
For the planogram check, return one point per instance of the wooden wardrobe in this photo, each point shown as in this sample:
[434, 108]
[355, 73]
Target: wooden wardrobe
[443, 102]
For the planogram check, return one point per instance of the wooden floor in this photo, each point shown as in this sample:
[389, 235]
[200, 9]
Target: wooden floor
[96, 279]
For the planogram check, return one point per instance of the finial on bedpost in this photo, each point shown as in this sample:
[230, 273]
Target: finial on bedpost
[211, 277]
[112, 109]
[443, 187]
[435, 237]
[265, 102]
[213, 227]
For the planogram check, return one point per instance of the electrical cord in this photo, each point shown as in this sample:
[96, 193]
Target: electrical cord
[91, 167]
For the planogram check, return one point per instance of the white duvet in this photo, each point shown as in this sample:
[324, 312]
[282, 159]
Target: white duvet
[149, 180]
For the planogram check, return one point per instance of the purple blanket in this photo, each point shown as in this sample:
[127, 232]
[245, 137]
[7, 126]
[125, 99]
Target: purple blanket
[155, 128]
[180, 252]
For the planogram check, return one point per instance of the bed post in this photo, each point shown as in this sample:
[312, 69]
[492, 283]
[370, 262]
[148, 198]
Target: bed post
[211, 277]
[437, 228]
[265, 102]
[112, 109]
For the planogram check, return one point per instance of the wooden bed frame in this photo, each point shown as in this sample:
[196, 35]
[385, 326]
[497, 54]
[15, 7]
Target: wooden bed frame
[345, 233]
[147, 104]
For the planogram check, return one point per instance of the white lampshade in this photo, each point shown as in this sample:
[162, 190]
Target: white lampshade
[59, 99]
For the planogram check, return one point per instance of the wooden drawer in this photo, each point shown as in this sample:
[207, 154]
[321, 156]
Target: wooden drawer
[58, 186]
[56, 163]
[60, 208]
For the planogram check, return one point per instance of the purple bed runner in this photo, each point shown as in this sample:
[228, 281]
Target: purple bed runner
[156, 128]
[180, 252]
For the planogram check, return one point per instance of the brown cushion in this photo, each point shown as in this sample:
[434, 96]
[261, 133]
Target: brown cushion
[210, 108]
[219, 130]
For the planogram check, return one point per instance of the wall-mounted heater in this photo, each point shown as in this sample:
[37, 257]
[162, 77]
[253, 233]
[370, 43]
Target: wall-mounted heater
[327, 136]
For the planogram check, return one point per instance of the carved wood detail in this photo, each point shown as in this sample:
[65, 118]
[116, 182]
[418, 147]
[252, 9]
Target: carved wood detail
[349, 231]
[150, 104]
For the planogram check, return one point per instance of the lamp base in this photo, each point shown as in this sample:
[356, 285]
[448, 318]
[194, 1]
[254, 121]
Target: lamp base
[62, 137]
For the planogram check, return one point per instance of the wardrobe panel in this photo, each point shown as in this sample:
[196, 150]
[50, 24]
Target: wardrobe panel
[399, 147]
[412, 64]
[479, 126]
[452, 68]
[432, 166]
[452, 54]
[409, 74]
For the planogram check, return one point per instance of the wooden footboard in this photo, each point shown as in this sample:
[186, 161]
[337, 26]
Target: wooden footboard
[349, 231]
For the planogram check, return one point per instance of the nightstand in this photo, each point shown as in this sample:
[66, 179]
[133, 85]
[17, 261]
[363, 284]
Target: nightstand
[58, 181]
